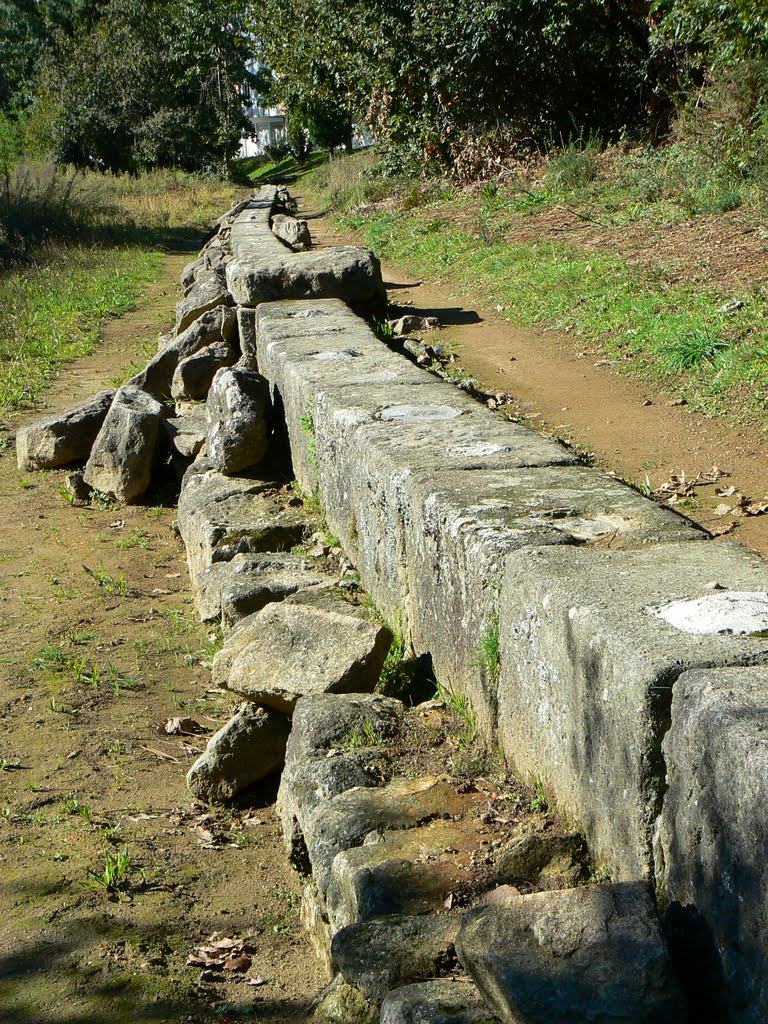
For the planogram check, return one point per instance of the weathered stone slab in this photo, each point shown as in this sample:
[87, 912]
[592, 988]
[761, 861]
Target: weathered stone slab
[344, 1004]
[326, 721]
[328, 753]
[380, 955]
[587, 672]
[60, 438]
[460, 526]
[248, 748]
[410, 871]
[712, 850]
[292, 231]
[208, 291]
[261, 273]
[121, 459]
[548, 860]
[194, 375]
[436, 1002]
[237, 411]
[186, 434]
[345, 820]
[220, 517]
[594, 953]
[217, 325]
[299, 648]
[232, 590]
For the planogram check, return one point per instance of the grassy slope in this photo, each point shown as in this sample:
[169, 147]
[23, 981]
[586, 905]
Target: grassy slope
[495, 244]
[52, 307]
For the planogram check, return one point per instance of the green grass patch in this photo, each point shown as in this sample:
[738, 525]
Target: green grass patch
[653, 326]
[53, 311]
[83, 258]
[259, 171]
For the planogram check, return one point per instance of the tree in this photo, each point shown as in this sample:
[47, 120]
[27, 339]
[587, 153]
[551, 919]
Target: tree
[149, 84]
[424, 75]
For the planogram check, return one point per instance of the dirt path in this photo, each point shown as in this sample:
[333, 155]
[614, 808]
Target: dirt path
[633, 429]
[91, 664]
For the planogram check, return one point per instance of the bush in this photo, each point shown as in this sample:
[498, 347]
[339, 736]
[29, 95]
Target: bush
[277, 151]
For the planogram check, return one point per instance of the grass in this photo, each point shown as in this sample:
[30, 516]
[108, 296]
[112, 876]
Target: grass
[89, 249]
[365, 735]
[461, 706]
[652, 320]
[488, 651]
[112, 878]
[111, 584]
[258, 171]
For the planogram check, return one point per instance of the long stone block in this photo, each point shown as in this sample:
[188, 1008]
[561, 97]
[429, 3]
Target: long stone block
[589, 660]
[712, 850]
[264, 270]
[464, 523]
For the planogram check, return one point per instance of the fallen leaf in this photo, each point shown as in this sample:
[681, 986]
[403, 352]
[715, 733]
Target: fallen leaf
[255, 981]
[237, 963]
[725, 492]
[723, 510]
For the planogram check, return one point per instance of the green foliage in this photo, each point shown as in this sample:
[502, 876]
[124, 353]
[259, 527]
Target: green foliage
[576, 164]
[433, 81]
[488, 650]
[365, 735]
[691, 350]
[113, 877]
[307, 424]
[123, 84]
[461, 706]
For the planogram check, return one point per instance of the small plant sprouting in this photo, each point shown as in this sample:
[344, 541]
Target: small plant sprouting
[307, 424]
[383, 330]
[488, 649]
[365, 735]
[113, 877]
[539, 801]
[73, 806]
[138, 539]
[102, 500]
[112, 584]
[461, 706]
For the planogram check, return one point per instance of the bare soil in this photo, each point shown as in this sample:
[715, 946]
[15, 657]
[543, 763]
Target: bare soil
[90, 666]
[561, 387]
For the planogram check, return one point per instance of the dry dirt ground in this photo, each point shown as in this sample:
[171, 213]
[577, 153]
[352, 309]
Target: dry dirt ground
[91, 664]
[559, 386]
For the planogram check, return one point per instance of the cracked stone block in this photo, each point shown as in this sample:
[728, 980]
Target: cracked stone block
[306, 645]
[60, 438]
[436, 1002]
[712, 841]
[595, 953]
[588, 671]
[123, 453]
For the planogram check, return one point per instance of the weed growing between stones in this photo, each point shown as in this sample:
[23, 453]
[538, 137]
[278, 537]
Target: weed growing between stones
[307, 424]
[488, 650]
[461, 706]
[366, 735]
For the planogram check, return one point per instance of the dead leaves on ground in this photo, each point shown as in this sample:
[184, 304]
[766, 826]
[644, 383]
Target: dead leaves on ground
[222, 952]
[739, 506]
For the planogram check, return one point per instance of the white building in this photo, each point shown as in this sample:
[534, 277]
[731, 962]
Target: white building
[268, 124]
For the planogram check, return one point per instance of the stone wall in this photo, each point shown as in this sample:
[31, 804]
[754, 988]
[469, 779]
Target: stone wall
[629, 678]
[615, 653]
